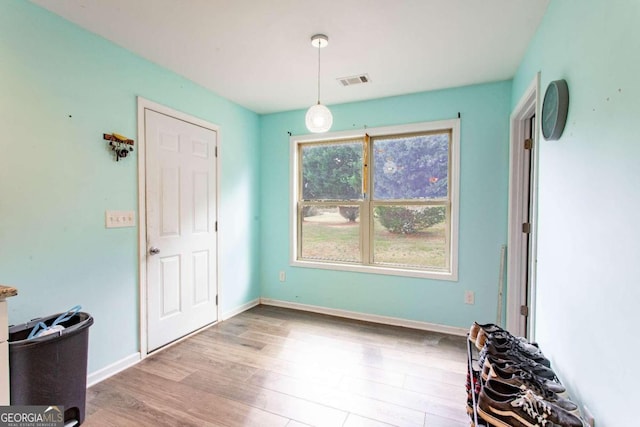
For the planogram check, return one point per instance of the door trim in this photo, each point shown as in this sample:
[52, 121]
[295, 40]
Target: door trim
[145, 104]
[527, 106]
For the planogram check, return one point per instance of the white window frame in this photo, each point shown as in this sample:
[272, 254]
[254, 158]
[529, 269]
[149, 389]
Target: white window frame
[454, 189]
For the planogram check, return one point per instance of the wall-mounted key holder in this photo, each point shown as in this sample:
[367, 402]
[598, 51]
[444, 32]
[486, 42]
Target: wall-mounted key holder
[120, 145]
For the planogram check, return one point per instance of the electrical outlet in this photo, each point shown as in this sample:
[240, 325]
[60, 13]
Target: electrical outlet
[282, 276]
[469, 297]
[586, 414]
[116, 219]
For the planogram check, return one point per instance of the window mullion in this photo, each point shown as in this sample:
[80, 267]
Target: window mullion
[367, 255]
[365, 165]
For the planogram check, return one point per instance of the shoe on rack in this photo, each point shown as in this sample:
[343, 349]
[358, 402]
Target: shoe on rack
[521, 364]
[514, 351]
[523, 410]
[518, 377]
[501, 337]
[489, 330]
[510, 353]
[473, 331]
[485, 331]
[517, 358]
[477, 328]
[509, 389]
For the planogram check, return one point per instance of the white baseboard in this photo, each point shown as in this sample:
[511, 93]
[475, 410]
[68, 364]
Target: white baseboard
[375, 318]
[244, 307]
[108, 371]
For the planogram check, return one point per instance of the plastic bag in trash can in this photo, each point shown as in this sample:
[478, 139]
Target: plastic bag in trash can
[41, 329]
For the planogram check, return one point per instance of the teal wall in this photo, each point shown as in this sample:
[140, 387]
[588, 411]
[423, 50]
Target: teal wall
[589, 181]
[483, 210]
[60, 89]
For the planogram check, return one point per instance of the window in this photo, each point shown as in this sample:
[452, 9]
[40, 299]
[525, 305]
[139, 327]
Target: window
[381, 202]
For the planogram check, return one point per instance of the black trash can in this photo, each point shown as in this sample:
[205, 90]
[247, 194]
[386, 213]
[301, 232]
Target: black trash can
[51, 369]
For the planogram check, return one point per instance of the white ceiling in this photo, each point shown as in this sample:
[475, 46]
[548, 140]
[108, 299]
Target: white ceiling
[258, 52]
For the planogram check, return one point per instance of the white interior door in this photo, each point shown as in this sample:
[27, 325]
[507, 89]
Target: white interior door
[181, 228]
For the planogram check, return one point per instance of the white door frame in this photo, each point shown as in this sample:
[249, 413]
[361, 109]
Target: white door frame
[516, 295]
[145, 104]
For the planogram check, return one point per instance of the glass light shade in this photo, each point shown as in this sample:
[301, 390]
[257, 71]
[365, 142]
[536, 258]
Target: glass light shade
[318, 118]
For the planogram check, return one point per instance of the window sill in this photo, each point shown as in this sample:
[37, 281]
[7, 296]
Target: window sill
[435, 275]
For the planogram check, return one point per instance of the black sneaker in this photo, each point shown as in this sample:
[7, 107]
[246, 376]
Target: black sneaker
[523, 410]
[512, 350]
[521, 364]
[519, 377]
[500, 337]
[537, 388]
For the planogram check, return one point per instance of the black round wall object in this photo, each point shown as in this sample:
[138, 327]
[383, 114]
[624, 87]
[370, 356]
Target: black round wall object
[554, 109]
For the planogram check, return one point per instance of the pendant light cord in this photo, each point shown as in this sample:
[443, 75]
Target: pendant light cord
[319, 48]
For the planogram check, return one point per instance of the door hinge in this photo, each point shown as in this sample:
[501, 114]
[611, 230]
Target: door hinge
[216, 226]
[528, 144]
[526, 227]
[524, 310]
[216, 154]
[216, 299]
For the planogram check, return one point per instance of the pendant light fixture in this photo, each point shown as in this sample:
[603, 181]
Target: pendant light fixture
[319, 118]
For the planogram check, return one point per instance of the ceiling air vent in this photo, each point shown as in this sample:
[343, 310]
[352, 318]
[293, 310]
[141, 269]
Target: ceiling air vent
[354, 80]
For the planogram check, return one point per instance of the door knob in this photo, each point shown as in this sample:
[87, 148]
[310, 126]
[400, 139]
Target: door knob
[154, 251]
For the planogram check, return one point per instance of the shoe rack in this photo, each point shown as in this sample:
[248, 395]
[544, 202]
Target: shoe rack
[475, 377]
[476, 383]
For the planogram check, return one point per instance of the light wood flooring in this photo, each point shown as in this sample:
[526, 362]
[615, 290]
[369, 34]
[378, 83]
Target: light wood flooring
[272, 366]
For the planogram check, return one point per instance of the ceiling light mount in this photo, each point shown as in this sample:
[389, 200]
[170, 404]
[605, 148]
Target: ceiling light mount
[319, 41]
[318, 118]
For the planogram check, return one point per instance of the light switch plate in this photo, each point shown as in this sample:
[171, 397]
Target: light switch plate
[117, 219]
